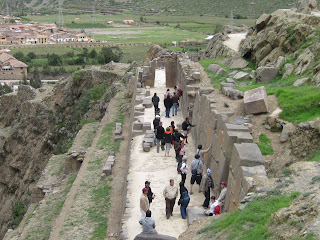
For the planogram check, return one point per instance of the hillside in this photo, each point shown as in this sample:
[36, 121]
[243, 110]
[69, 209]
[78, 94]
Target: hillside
[241, 9]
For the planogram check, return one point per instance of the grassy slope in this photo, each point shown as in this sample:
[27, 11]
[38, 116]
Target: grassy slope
[250, 223]
[246, 8]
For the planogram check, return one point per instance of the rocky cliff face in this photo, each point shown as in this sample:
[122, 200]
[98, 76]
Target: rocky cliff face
[36, 123]
[285, 33]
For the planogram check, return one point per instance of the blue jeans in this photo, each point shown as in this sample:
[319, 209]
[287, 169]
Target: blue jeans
[167, 112]
[175, 109]
[184, 205]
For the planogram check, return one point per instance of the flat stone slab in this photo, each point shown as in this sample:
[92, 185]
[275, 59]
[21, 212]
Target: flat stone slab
[235, 127]
[118, 138]
[146, 126]
[256, 101]
[149, 132]
[154, 236]
[249, 154]
[118, 129]
[242, 76]
[149, 140]
[110, 160]
[146, 147]
[137, 126]
[194, 214]
[149, 135]
[137, 133]
[139, 109]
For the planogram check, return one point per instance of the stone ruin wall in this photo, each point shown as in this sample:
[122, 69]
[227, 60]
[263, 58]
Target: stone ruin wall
[234, 157]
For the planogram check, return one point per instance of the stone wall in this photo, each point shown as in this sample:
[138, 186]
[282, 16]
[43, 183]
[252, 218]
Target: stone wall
[234, 158]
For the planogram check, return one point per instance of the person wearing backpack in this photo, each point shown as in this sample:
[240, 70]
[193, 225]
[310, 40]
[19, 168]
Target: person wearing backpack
[196, 171]
[184, 169]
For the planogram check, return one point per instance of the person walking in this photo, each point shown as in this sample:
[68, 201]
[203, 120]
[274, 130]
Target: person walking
[155, 101]
[168, 105]
[144, 202]
[170, 194]
[168, 141]
[196, 171]
[150, 194]
[160, 137]
[201, 152]
[185, 127]
[223, 194]
[156, 122]
[180, 156]
[184, 200]
[167, 94]
[148, 224]
[184, 169]
[175, 103]
[172, 127]
[206, 185]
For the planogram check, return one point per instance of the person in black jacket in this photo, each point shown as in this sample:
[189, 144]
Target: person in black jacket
[168, 104]
[160, 135]
[155, 100]
[156, 122]
[185, 127]
[150, 194]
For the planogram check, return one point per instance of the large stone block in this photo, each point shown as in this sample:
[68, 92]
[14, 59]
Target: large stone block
[214, 68]
[147, 92]
[266, 74]
[231, 137]
[196, 75]
[246, 154]
[147, 102]
[251, 171]
[146, 147]
[107, 170]
[256, 101]
[137, 125]
[146, 126]
[110, 161]
[239, 64]
[154, 236]
[221, 120]
[235, 127]
[194, 214]
[118, 129]
[149, 140]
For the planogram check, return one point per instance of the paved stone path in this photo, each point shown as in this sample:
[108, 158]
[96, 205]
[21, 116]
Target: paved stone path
[157, 169]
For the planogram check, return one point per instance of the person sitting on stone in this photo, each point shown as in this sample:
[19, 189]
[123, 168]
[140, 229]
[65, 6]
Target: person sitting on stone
[214, 207]
[148, 224]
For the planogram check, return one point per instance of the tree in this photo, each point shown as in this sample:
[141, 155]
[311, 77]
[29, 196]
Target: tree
[32, 55]
[35, 81]
[93, 53]
[101, 58]
[46, 69]
[54, 60]
[4, 89]
[24, 80]
[141, 19]
[111, 54]
[85, 52]
[19, 55]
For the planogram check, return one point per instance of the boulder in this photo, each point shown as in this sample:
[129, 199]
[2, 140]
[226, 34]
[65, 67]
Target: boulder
[287, 131]
[214, 68]
[316, 79]
[233, 73]
[196, 75]
[303, 61]
[223, 85]
[230, 80]
[239, 64]
[288, 69]
[300, 81]
[262, 21]
[154, 236]
[280, 61]
[256, 101]
[241, 76]
[266, 74]
[221, 71]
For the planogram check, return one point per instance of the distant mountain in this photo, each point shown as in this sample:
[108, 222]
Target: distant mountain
[241, 8]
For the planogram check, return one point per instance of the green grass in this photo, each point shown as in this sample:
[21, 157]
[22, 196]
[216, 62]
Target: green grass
[87, 25]
[265, 145]
[252, 222]
[315, 157]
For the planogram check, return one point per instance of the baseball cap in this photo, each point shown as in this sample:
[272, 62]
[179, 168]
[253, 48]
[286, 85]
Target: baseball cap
[147, 182]
[197, 156]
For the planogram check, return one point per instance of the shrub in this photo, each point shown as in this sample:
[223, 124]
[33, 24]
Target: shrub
[265, 145]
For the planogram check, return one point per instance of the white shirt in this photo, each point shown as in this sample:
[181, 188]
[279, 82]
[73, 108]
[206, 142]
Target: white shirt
[213, 206]
[184, 168]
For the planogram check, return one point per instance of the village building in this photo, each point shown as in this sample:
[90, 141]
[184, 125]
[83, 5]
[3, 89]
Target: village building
[11, 68]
